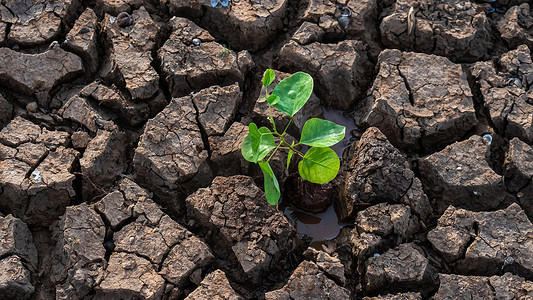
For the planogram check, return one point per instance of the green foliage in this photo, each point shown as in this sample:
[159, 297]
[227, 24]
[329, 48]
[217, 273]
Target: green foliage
[73, 239]
[272, 190]
[321, 133]
[289, 155]
[225, 51]
[319, 164]
[257, 144]
[268, 77]
[273, 99]
[293, 91]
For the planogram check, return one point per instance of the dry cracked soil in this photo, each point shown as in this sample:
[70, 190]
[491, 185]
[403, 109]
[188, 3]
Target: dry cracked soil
[121, 175]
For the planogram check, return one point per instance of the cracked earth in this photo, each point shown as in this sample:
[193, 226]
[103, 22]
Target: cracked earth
[121, 175]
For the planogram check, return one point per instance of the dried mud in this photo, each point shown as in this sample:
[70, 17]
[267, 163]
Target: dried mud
[121, 175]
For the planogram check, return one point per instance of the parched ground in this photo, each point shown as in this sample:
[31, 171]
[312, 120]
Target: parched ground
[121, 175]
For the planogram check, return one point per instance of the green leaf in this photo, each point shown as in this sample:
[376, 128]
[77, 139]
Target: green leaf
[321, 133]
[257, 144]
[273, 99]
[268, 77]
[272, 191]
[293, 91]
[319, 165]
[289, 156]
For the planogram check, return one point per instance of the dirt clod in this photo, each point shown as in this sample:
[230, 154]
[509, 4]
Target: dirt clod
[418, 100]
[306, 281]
[473, 186]
[378, 172]
[256, 238]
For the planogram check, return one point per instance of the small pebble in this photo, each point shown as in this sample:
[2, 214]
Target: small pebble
[53, 44]
[134, 213]
[509, 260]
[32, 107]
[411, 19]
[124, 19]
[131, 209]
[224, 3]
[487, 139]
[196, 42]
[344, 19]
[98, 123]
[514, 81]
[36, 176]
[109, 245]
[83, 30]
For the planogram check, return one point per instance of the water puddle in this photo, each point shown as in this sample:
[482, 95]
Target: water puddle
[319, 227]
[323, 226]
[344, 119]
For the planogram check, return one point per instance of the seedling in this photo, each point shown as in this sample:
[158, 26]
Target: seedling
[73, 239]
[225, 51]
[320, 164]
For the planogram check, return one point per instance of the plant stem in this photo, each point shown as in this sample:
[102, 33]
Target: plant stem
[274, 151]
[291, 147]
[296, 151]
[287, 127]
[271, 119]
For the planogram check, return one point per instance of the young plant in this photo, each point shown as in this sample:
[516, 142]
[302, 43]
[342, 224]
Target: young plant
[73, 239]
[225, 51]
[320, 164]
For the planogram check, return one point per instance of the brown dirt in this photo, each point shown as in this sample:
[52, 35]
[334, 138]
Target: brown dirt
[121, 175]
